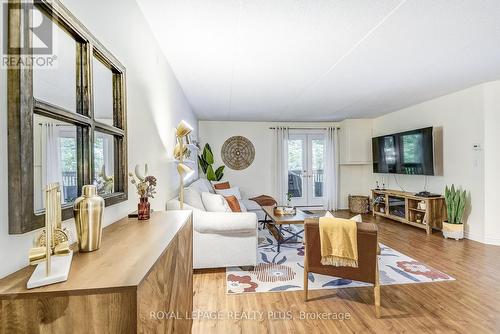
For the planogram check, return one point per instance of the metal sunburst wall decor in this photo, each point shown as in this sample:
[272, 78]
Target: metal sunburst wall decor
[238, 152]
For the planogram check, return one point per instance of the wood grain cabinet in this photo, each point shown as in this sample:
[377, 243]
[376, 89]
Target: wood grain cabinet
[139, 281]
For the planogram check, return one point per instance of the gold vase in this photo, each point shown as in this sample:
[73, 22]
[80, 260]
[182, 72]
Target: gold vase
[88, 210]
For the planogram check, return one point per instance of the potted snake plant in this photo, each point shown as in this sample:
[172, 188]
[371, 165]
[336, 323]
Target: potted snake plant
[455, 207]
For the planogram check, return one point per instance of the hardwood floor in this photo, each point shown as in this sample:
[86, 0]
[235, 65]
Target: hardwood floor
[471, 304]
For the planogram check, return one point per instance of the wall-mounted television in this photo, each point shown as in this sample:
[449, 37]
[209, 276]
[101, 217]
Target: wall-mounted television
[410, 152]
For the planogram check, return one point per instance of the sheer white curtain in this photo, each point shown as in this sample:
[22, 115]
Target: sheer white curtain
[51, 156]
[331, 169]
[281, 134]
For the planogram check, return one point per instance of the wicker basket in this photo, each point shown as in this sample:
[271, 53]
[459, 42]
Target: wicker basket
[359, 204]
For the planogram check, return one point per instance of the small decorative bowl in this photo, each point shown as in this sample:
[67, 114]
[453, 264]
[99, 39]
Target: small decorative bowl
[285, 211]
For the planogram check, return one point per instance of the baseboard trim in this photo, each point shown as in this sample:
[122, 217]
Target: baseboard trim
[482, 239]
[474, 237]
[492, 241]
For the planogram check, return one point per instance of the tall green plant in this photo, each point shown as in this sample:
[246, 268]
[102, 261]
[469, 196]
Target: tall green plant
[455, 204]
[206, 160]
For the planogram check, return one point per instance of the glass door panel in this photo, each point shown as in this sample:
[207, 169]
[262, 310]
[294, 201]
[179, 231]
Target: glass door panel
[316, 169]
[306, 157]
[297, 167]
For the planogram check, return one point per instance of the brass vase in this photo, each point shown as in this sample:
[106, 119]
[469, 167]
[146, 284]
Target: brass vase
[88, 210]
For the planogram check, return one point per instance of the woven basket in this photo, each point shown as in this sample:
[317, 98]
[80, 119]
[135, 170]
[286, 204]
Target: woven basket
[359, 204]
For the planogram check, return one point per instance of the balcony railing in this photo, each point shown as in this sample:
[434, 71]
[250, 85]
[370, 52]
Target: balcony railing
[295, 182]
[70, 186]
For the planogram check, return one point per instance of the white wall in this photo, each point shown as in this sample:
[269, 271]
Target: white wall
[354, 180]
[355, 171]
[461, 116]
[492, 161]
[156, 103]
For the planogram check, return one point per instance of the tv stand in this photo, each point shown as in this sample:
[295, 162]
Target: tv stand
[423, 212]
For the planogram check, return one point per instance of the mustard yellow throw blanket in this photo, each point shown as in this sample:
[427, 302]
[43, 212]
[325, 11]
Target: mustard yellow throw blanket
[339, 242]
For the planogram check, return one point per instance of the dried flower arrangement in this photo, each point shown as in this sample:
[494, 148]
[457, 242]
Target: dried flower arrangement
[144, 183]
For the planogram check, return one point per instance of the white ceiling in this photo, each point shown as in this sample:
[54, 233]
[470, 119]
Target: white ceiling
[323, 60]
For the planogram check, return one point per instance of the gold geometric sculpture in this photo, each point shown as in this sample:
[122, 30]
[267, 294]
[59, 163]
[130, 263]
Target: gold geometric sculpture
[53, 240]
[238, 152]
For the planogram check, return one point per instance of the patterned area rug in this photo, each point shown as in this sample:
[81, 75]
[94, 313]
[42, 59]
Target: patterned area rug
[284, 271]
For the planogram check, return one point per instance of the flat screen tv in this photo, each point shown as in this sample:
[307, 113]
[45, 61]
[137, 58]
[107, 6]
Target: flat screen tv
[410, 152]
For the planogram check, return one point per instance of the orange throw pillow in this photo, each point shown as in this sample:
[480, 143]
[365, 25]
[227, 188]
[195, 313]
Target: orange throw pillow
[221, 186]
[233, 203]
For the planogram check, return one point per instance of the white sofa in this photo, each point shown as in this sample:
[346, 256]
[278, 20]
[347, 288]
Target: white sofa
[220, 239]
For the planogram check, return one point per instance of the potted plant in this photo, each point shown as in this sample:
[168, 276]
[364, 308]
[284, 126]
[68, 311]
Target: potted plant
[206, 160]
[455, 206]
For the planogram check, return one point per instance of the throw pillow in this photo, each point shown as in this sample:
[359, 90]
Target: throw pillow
[328, 214]
[214, 202]
[357, 219]
[222, 185]
[192, 197]
[233, 203]
[234, 191]
[242, 206]
[202, 185]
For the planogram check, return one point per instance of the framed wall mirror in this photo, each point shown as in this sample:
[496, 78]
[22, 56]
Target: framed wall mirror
[67, 118]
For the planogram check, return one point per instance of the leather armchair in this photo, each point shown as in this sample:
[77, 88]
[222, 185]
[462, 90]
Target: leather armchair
[367, 270]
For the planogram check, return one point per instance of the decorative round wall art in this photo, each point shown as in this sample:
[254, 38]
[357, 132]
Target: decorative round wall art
[238, 152]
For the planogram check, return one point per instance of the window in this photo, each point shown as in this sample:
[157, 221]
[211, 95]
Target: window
[67, 123]
[57, 85]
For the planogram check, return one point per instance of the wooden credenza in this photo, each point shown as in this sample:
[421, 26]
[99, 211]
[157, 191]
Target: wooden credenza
[139, 281]
[403, 207]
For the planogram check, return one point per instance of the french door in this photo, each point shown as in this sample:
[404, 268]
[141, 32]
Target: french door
[306, 160]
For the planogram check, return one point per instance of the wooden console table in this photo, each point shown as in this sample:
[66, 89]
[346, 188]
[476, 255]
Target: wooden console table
[142, 267]
[403, 207]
